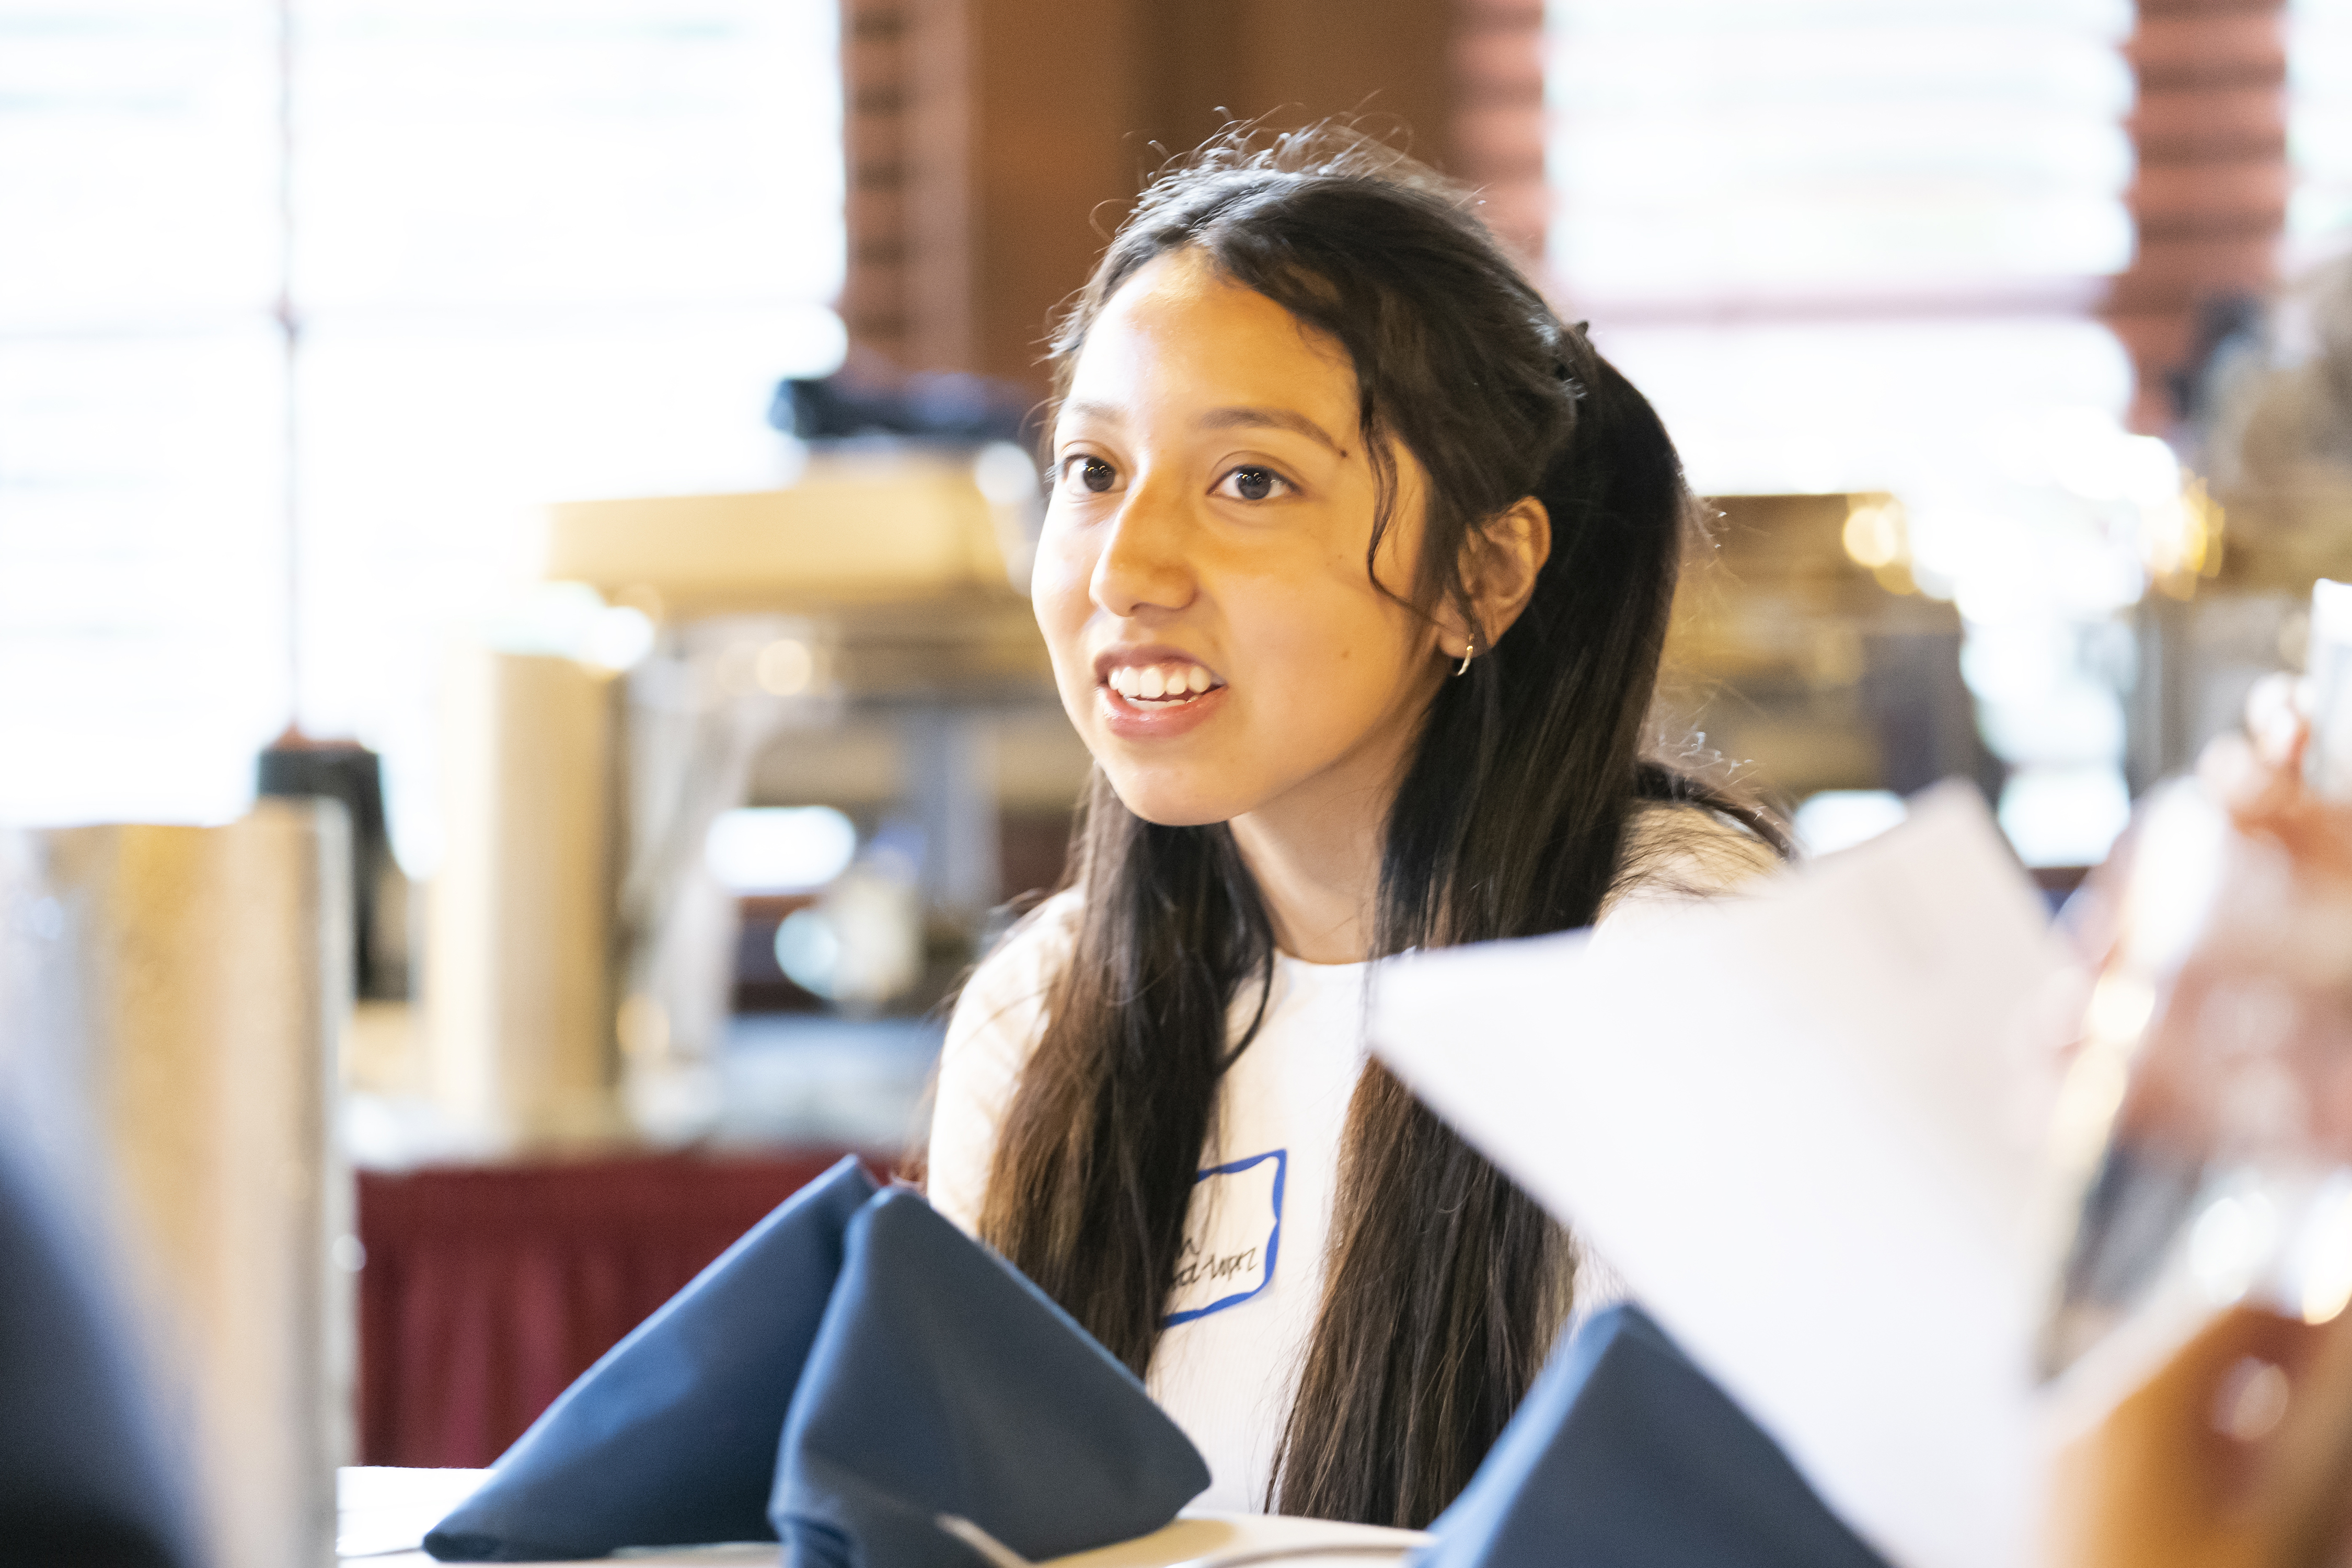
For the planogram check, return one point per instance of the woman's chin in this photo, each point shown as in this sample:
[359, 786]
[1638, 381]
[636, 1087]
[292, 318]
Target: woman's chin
[1164, 805]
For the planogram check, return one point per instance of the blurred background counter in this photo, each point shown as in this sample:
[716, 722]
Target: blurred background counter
[728, 805]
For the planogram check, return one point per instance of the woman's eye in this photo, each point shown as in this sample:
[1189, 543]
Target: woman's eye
[1093, 474]
[1253, 484]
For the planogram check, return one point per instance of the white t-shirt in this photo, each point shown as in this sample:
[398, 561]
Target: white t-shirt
[1250, 1278]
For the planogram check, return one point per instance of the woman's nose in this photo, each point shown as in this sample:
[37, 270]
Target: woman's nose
[1144, 566]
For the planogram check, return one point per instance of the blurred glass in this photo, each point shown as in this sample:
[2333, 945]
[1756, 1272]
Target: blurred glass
[2207, 1114]
[2208, 1110]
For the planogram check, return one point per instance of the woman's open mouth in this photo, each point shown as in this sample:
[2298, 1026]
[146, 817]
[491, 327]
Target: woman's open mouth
[1165, 685]
[1158, 699]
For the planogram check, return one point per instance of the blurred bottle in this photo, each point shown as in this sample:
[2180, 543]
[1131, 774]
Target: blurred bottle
[298, 766]
[2207, 1115]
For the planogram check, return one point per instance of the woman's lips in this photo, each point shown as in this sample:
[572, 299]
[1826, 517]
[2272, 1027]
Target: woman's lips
[1143, 719]
[1154, 690]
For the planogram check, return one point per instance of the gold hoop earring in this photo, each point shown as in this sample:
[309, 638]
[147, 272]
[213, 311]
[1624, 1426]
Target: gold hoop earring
[1469, 646]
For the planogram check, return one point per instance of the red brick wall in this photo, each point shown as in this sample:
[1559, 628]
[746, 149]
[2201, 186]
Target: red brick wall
[1498, 115]
[992, 145]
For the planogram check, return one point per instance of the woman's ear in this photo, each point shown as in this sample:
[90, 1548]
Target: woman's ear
[1499, 564]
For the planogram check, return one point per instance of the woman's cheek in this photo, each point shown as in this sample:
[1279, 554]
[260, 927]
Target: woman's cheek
[1057, 584]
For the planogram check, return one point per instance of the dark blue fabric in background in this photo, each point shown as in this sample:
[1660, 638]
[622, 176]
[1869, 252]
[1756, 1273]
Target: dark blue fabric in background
[670, 1440]
[1625, 1454]
[85, 1476]
[943, 1382]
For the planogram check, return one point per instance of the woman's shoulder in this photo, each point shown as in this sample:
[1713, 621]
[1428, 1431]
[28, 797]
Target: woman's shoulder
[996, 1024]
[1002, 1009]
[1675, 851]
[1025, 962]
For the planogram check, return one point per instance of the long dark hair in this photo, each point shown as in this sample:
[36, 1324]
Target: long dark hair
[1446, 1283]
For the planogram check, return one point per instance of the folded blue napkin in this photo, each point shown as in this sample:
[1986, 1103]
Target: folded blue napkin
[85, 1476]
[670, 1440]
[944, 1382]
[1627, 1455]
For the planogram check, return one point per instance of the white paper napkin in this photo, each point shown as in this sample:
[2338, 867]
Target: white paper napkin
[1790, 1119]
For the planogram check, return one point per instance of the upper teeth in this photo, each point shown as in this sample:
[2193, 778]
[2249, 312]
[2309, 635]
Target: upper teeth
[1151, 682]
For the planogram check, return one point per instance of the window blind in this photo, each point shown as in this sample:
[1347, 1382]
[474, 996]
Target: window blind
[1923, 194]
[142, 405]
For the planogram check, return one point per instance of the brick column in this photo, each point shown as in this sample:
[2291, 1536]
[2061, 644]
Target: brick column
[1498, 116]
[992, 146]
[2210, 195]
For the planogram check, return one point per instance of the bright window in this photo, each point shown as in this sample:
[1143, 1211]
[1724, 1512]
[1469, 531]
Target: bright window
[2319, 130]
[535, 251]
[1822, 233]
[1855, 245]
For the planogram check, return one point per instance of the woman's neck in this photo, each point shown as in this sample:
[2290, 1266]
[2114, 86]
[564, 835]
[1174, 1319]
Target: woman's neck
[1315, 856]
[1317, 897]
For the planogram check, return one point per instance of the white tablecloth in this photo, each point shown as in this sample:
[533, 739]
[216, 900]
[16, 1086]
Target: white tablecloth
[385, 1512]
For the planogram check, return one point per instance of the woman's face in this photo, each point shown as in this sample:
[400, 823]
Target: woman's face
[1201, 581]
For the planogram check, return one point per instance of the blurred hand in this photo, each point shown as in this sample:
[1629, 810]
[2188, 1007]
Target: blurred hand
[2238, 1453]
[2235, 1455]
[2258, 776]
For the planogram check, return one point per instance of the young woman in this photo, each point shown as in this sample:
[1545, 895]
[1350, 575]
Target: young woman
[1355, 572]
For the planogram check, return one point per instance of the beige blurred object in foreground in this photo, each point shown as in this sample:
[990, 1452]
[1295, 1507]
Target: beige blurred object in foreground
[176, 1003]
[519, 994]
[1835, 1112]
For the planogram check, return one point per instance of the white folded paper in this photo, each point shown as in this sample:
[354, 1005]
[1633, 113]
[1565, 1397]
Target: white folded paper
[1790, 1119]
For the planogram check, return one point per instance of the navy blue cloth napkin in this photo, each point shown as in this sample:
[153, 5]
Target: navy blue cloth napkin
[670, 1440]
[1626, 1454]
[943, 1382]
[85, 1475]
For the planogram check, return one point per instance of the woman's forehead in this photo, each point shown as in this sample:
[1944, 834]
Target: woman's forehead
[1180, 337]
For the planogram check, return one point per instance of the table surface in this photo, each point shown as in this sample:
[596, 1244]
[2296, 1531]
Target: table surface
[385, 1512]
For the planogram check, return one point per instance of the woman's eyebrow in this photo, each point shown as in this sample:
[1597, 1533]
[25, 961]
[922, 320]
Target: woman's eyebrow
[1110, 412]
[1281, 418]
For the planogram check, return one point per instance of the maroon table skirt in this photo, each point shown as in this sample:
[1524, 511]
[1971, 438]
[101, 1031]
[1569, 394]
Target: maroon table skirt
[485, 1291]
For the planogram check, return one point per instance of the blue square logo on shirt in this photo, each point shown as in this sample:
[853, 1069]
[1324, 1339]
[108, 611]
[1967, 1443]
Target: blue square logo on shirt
[1231, 1237]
